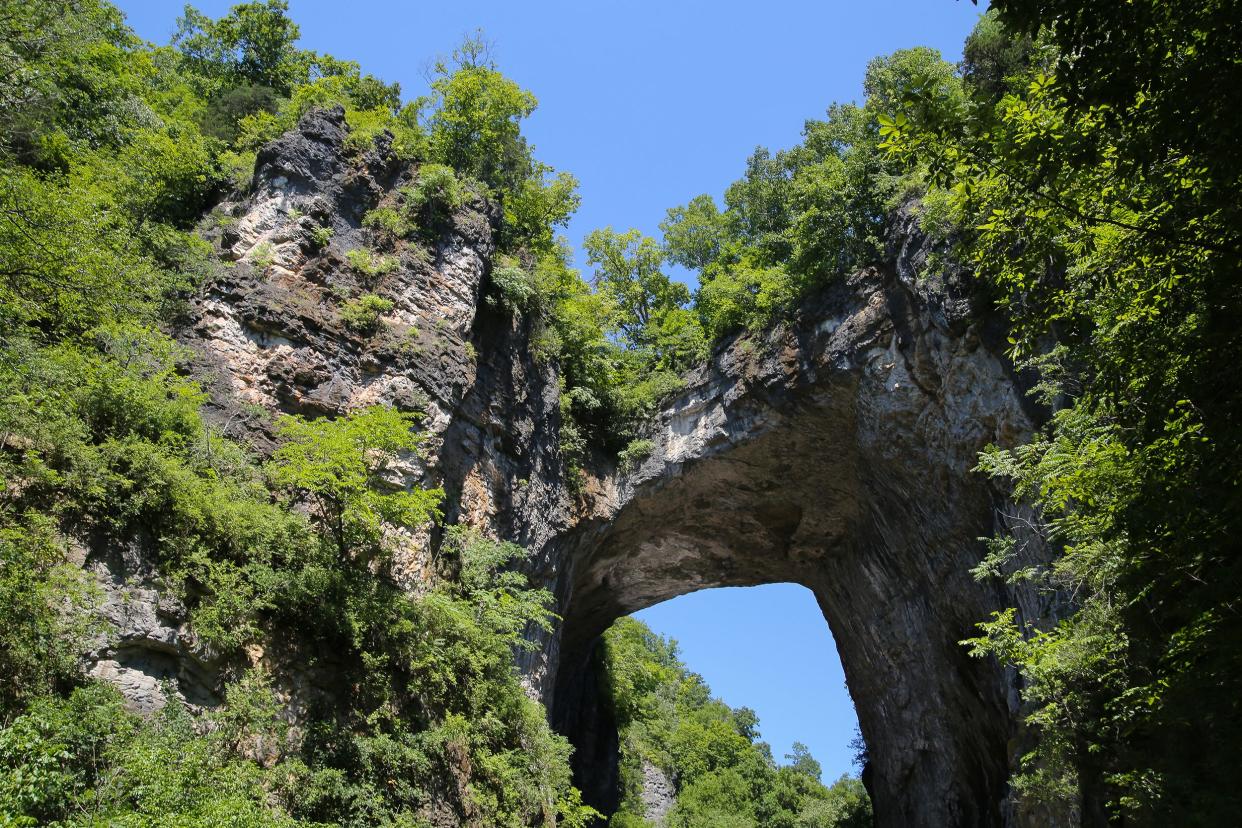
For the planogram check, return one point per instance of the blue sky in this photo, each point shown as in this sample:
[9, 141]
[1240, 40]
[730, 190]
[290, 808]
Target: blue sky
[768, 648]
[651, 103]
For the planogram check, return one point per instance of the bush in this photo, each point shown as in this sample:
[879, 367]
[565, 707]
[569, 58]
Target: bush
[387, 223]
[262, 256]
[632, 456]
[365, 313]
[434, 196]
[369, 266]
[515, 287]
[321, 237]
[43, 604]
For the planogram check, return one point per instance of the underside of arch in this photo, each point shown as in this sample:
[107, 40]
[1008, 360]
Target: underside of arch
[836, 454]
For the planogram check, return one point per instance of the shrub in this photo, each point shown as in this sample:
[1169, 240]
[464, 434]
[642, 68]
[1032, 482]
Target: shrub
[514, 286]
[321, 236]
[262, 255]
[387, 223]
[632, 456]
[365, 313]
[435, 195]
[370, 266]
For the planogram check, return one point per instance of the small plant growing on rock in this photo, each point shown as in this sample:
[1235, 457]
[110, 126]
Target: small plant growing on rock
[295, 214]
[223, 219]
[262, 256]
[418, 256]
[632, 456]
[369, 265]
[321, 236]
[433, 198]
[408, 344]
[436, 185]
[365, 313]
[387, 224]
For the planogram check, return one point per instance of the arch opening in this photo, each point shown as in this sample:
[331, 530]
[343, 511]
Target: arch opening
[836, 454]
[761, 661]
[767, 648]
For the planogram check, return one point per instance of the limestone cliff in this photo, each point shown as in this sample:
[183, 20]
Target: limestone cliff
[833, 451]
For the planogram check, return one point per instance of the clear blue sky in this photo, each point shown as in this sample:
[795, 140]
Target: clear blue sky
[650, 104]
[768, 648]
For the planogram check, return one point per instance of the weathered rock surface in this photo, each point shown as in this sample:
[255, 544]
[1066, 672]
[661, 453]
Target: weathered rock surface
[145, 643]
[833, 451]
[658, 794]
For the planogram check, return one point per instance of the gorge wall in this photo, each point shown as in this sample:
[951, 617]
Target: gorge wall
[833, 451]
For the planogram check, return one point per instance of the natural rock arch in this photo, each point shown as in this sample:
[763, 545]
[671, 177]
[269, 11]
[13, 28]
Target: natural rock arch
[836, 453]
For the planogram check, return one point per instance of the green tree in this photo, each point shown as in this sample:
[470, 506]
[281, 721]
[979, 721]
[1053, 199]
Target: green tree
[1093, 198]
[803, 762]
[338, 467]
[628, 271]
[252, 45]
[43, 609]
[474, 118]
[694, 235]
[845, 805]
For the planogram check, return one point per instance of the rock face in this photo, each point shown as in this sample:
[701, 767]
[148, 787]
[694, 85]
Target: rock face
[658, 794]
[833, 451]
[269, 333]
[146, 643]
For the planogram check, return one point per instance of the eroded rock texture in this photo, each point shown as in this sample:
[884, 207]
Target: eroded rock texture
[834, 451]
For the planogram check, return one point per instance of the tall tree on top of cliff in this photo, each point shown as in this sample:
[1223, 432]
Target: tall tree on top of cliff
[475, 117]
[252, 44]
[650, 308]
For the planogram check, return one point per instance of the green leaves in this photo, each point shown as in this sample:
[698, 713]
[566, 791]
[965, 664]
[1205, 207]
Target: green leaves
[252, 44]
[473, 120]
[365, 313]
[338, 467]
[694, 235]
[723, 775]
[628, 272]
[1097, 224]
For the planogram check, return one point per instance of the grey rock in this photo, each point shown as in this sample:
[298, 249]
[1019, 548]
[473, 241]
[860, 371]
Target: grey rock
[145, 645]
[658, 794]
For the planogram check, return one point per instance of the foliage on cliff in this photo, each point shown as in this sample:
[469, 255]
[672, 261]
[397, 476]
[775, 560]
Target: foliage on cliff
[111, 150]
[724, 776]
[1091, 176]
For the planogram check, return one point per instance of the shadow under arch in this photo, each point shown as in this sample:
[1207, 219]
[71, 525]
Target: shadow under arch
[835, 453]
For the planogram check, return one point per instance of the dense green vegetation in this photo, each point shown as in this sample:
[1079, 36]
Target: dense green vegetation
[1091, 173]
[111, 150]
[1081, 161]
[724, 776]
